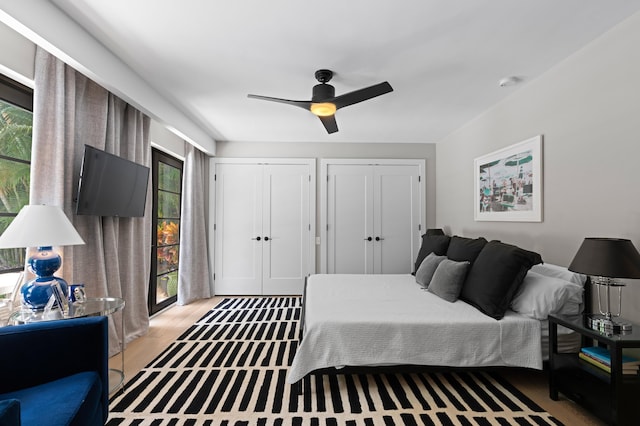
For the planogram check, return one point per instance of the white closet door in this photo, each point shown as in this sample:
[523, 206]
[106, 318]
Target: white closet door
[378, 199]
[264, 226]
[396, 207]
[349, 205]
[286, 228]
[238, 253]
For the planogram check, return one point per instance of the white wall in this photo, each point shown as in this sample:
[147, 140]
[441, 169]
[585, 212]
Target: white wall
[47, 26]
[588, 110]
[17, 56]
[18, 63]
[165, 140]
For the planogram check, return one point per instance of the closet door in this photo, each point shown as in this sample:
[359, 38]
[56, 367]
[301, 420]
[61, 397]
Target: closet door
[396, 212]
[238, 225]
[349, 207]
[286, 228]
[372, 216]
[263, 226]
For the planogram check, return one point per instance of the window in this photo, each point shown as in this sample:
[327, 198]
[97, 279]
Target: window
[167, 195]
[16, 128]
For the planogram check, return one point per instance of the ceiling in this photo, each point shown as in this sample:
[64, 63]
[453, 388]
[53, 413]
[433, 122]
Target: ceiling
[443, 58]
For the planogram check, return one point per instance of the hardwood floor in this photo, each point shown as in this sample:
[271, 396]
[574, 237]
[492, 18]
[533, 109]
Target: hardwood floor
[164, 328]
[168, 325]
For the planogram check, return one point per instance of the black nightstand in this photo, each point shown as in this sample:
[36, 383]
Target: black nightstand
[612, 397]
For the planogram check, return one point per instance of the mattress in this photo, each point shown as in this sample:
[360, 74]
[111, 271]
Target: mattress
[368, 320]
[567, 340]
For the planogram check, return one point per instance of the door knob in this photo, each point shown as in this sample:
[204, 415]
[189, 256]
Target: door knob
[266, 238]
[368, 239]
[257, 238]
[379, 239]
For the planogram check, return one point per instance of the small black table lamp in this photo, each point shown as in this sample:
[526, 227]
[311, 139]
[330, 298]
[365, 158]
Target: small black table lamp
[605, 259]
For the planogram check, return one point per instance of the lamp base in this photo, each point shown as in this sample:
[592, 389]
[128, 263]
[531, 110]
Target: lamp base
[36, 293]
[601, 323]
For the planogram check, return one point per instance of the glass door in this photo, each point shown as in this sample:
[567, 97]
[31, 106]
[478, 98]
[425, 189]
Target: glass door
[167, 190]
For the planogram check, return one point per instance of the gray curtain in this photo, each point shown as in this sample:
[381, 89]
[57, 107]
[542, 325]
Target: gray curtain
[70, 111]
[193, 276]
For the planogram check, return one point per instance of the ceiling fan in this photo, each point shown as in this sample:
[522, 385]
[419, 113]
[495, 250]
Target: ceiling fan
[324, 103]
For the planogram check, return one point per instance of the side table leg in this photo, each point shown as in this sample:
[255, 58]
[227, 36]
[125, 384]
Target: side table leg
[116, 377]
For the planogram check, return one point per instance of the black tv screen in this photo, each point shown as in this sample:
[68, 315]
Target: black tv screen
[110, 185]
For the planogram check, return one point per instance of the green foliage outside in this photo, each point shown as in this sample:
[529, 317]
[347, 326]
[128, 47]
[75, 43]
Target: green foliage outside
[168, 230]
[169, 178]
[168, 214]
[16, 129]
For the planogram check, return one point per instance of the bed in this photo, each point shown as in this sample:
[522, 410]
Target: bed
[382, 320]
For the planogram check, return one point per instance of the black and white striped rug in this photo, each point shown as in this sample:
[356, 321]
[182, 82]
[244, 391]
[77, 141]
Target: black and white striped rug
[230, 368]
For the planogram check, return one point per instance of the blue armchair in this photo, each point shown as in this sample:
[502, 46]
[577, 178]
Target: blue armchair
[56, 372]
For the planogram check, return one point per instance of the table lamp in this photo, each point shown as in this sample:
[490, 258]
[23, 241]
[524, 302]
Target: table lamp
[605, 259]
[43, 227]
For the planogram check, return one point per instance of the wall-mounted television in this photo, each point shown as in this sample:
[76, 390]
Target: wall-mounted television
[110, 185]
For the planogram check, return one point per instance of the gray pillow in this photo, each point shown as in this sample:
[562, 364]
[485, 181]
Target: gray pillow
[427, 268]
[448, 279]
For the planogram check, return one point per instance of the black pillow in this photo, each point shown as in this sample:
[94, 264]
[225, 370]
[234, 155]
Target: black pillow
[495, 277]
[465, 249]
[432, 244]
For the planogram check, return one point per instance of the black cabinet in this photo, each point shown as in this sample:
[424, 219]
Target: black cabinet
[613, 396]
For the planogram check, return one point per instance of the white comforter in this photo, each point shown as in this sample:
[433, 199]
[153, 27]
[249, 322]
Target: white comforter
[358, 320]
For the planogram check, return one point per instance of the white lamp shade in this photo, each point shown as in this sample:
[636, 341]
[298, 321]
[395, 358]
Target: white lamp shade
[40, 226]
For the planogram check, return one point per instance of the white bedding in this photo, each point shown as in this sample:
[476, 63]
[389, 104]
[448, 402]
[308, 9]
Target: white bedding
[364, 320]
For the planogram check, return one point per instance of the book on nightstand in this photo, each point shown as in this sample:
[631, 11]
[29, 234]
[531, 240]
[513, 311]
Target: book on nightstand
[600, 357]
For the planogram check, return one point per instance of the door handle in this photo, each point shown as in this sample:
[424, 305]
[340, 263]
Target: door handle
[266, 238]
[257, 238]
[368, 239]
[379, 239]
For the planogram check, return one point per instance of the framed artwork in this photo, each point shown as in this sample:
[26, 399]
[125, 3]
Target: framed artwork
[508, 183]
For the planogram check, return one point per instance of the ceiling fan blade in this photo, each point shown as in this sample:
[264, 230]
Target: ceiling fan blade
[361, 95]
[302, 104]
[329, 123]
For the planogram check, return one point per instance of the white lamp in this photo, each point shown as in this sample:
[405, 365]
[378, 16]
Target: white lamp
[43, 227]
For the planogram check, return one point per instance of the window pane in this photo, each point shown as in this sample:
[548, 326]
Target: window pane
[14, 186]
[168, 257]
[168, 232]
[11, 259]
[167, 286]
[168, 178]
[168, 204]
[168, 238]
[16, 127]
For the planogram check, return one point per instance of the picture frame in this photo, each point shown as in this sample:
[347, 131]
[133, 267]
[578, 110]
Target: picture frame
[508, 183]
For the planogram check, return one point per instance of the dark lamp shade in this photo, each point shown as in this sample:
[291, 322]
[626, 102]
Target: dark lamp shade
[607, 257]
[434, 231]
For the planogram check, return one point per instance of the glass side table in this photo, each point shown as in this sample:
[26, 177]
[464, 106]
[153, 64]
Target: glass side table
[91, 307]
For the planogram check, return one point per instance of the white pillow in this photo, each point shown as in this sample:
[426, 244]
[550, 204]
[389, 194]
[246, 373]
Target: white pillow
[551, 270]
[541, 295]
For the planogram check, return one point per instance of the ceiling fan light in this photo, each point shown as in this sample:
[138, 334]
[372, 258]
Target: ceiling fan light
[323, 109]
